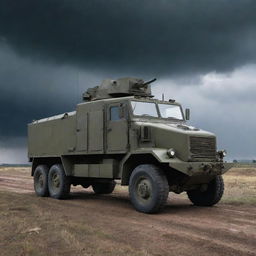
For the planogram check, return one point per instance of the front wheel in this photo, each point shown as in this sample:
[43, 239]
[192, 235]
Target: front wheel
[148, 188]
[210, 196]
[58, 182]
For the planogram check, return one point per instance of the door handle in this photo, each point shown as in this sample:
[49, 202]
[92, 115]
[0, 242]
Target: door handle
[109, 129]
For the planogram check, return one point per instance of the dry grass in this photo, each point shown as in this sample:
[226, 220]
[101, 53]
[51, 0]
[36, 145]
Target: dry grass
[240, 186]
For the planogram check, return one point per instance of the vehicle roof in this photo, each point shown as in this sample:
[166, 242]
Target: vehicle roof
[55, 117]
[115, 99]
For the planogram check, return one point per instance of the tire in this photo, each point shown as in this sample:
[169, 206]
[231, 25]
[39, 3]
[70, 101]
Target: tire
[58, 182]
[148, 188]
[104, 188]
[41, 180]
[85, 185]
[211, 196]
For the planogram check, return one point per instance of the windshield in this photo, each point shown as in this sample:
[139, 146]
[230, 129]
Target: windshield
[170, 111]
[144, 108]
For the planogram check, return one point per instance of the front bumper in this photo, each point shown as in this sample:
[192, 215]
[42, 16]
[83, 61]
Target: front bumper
[201, 168]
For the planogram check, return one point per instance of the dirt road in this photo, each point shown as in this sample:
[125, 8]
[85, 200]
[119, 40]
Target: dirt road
[88, 224]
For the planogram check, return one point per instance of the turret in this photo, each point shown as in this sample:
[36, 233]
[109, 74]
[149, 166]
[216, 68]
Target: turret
[119, 88]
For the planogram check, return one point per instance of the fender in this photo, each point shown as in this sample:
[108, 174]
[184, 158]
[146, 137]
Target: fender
[135, 158]
[159, 156]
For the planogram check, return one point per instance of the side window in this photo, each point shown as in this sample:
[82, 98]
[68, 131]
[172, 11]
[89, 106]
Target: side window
[114, 113]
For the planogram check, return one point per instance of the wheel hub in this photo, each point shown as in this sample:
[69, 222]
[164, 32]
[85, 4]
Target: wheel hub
[56, 181]
[143, 190]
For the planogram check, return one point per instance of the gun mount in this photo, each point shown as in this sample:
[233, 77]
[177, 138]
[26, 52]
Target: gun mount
[119, 88]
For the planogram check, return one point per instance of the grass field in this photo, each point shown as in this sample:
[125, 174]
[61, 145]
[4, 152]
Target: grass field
[240, 186]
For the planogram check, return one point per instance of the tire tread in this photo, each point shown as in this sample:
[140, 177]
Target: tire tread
[44, 170]
[160, 179]
[211, 197]
[65, 190]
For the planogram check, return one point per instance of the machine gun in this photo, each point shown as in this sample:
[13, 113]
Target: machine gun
[119, 88]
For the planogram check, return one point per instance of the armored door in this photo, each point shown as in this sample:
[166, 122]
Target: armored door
[81, 130]
[116, 129]
[89, 130]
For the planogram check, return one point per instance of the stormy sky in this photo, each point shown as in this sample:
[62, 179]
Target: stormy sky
[203, 53]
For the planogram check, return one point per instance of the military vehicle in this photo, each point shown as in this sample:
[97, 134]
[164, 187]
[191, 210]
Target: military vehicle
[120, 131]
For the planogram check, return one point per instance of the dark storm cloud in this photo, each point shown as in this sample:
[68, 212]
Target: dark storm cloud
[52, 50]
[158, 37]
[31, 91]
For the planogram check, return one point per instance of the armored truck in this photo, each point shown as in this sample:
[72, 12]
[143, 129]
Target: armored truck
[121, 132]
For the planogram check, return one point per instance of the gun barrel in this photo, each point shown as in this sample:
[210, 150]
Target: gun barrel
[149, 82]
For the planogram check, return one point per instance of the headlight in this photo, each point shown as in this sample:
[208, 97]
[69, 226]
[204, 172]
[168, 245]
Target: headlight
[171, 152]
[222, 153]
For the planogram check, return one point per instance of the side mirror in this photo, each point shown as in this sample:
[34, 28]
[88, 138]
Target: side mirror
[187, 114]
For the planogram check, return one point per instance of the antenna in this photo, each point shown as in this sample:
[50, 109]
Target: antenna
[78, 85]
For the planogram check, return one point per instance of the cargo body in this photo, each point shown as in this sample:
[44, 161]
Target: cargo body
[121, 132]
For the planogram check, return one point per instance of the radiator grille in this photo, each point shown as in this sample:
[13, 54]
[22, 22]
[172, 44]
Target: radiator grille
[202, 148]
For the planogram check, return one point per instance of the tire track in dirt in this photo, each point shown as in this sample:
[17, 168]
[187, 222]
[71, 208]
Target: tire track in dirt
[181, 229]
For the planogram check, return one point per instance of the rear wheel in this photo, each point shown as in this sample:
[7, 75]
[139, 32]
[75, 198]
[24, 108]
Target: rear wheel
[58, 182]
[210, 196]
[41, 180]
[148, 188]
[104, 188]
